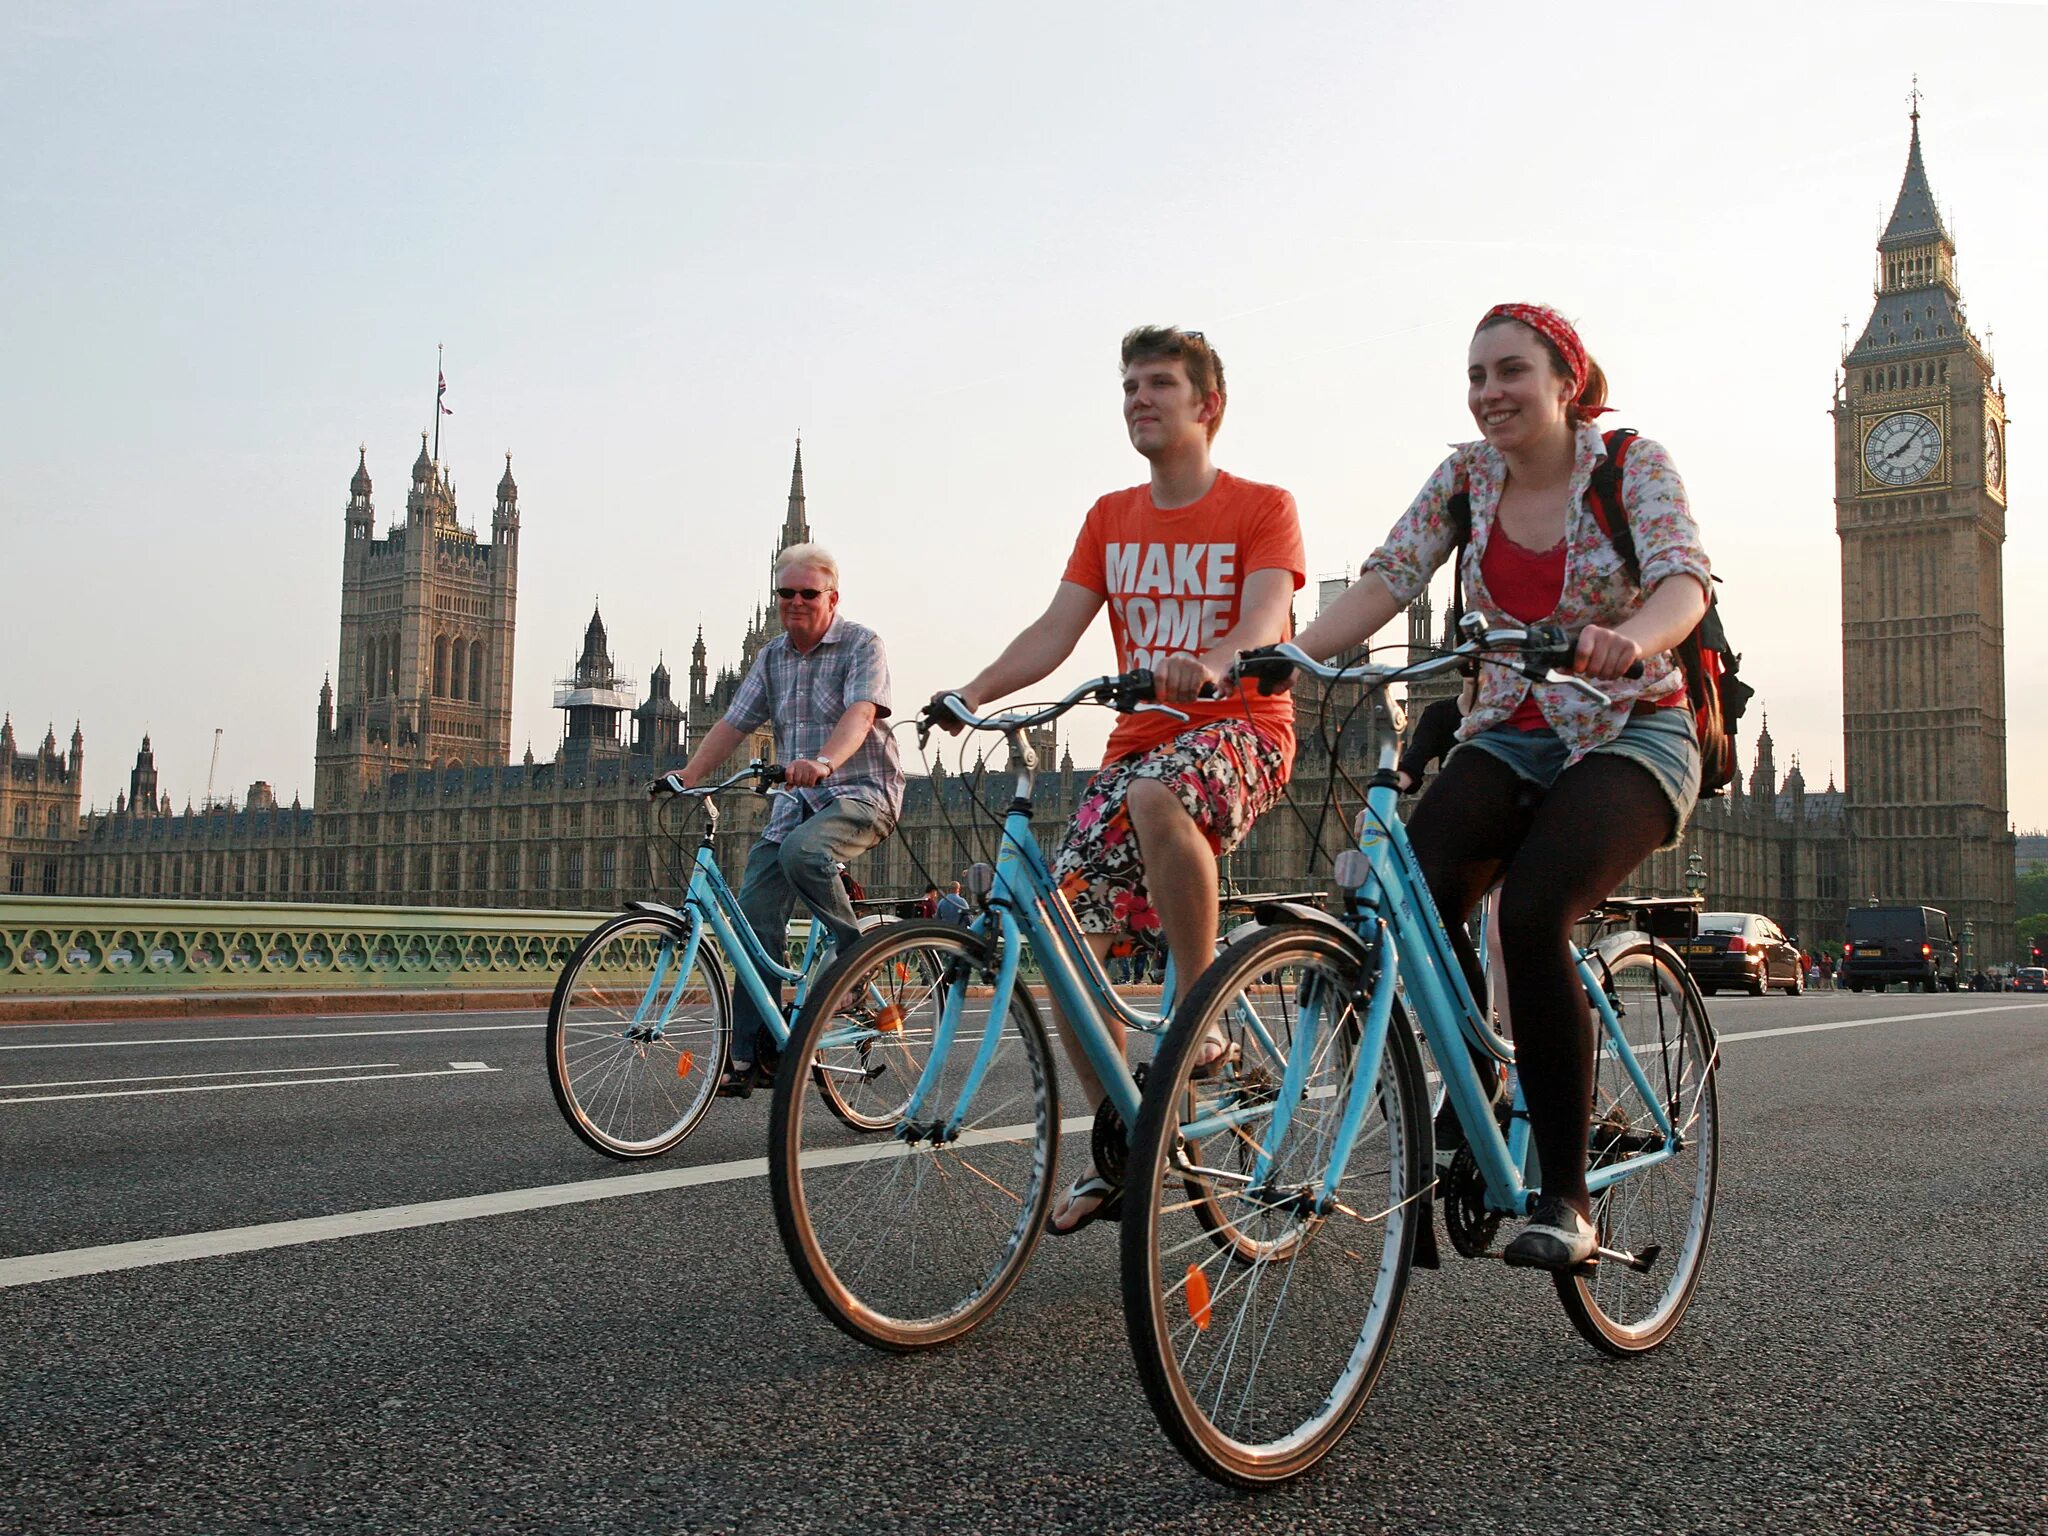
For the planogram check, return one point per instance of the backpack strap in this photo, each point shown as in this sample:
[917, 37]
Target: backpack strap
[1458, 512]
[1603, 495]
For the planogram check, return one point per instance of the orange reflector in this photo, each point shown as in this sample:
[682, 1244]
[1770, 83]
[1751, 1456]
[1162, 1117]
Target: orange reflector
[890, 1020]
[1198, 1298]
[684, 1062]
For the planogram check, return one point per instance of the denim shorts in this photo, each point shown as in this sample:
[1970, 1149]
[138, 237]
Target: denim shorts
[1662, 741]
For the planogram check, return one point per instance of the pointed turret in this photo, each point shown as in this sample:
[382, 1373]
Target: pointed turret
[1915, 219]
[77, 756]
[700, 673]
[506, 514]
[1763, 779]
[1919, 307]
[423, 466]
[359, 482]
[596, 661]
[7, 735]
[796, 527]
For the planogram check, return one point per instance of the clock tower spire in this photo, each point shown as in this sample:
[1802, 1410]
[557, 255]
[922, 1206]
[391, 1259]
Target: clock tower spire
[1920, 509]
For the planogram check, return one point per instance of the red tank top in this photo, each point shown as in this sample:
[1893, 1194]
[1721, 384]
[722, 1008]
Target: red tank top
[1526, 583]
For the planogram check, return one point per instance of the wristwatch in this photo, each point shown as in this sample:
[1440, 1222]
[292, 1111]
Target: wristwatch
[824, 762]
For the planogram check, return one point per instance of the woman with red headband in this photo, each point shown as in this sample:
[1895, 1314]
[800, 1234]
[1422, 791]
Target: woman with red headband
[1553, 795]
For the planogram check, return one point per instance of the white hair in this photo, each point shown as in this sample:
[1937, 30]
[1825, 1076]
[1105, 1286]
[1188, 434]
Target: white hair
[816, 556]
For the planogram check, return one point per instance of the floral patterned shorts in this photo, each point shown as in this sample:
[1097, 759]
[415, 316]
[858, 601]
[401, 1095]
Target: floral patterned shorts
[1226, 774]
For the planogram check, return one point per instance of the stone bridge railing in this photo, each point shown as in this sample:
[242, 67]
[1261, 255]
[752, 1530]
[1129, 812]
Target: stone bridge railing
[85, 945]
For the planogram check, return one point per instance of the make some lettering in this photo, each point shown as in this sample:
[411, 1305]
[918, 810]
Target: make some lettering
[1171, 598]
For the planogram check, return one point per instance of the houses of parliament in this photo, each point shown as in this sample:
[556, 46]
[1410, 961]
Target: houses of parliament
[417, 800]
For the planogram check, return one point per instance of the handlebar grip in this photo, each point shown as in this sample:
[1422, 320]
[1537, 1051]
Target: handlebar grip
[774, 773]
[1274, 674]
[1634, 671]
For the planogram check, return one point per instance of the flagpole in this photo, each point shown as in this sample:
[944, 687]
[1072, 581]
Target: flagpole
[438, 375]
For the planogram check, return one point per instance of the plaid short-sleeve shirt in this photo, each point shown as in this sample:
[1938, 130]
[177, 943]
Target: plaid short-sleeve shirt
[805, 694]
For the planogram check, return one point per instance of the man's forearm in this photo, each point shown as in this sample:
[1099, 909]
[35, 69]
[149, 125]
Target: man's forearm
[849, 733]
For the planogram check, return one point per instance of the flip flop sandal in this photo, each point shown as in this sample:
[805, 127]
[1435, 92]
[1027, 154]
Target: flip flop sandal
[1109, 1204]
[1231, 1054]
[739, 1082]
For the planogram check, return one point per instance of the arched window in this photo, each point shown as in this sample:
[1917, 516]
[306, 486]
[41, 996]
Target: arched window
[55, 824]
[476, 672]
[440, 666]
[457, 668]
[21, 821]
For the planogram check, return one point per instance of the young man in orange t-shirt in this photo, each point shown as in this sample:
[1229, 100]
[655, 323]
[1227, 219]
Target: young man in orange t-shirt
[1194, 567]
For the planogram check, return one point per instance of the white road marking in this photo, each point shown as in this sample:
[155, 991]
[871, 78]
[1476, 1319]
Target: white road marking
[172, 1077]
[469, 1066]
[334, 1034]
[66, 1264]
[289, 1082]
[1896, 1018]
[34, 1269]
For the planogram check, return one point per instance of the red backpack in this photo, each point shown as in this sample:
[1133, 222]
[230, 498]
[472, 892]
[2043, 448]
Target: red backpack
[1717, 694]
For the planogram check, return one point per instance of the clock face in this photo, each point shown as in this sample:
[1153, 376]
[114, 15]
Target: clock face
[1994, 456]
[1902, 449]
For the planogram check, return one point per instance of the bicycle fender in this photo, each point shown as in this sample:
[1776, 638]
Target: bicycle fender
[659, 909]
[1270, 912]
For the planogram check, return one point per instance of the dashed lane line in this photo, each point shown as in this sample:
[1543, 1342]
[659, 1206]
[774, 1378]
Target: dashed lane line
[289, 1082]
[172, 1077]
[318, 1034]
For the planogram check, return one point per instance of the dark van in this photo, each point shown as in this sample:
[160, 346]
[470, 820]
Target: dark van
[1912, 945]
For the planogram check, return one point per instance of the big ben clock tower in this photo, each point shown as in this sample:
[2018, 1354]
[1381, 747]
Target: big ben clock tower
[1920, 488]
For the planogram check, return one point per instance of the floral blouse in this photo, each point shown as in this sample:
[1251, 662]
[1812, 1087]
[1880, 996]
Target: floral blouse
[1597, 589]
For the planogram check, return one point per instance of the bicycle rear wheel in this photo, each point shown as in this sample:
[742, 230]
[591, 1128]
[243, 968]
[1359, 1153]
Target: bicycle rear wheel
[867, 1065]
[1668, 1207]
[1258, 1317]
[909, 1239]
[634, 1044]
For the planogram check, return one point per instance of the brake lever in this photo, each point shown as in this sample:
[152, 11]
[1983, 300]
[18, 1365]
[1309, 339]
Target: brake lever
[1151, 707]
[1579, 681]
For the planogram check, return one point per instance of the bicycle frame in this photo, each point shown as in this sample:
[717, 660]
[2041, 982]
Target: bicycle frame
[1392, 910]
[1024, 906]
[710, 899]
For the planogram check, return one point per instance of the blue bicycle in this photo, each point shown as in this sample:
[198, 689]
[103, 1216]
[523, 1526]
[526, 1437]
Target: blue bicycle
[911, 1240]
[1317, 1152]
[641, 1017]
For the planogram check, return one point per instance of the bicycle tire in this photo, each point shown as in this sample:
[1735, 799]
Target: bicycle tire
[614, 1072]
[1670, 1206]
[1310, 1378]
[847, 1074]
[908, 1244]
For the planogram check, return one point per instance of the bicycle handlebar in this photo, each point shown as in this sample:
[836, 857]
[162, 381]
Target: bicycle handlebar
[1541, 646]
[1128, 693]
[764, 775]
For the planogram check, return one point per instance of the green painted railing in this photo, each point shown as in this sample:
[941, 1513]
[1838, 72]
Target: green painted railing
[59, 945]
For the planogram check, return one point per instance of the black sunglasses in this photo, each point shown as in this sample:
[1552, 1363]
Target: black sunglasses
[808, 594]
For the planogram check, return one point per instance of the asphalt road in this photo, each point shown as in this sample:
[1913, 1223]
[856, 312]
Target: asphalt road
[1868, 1351]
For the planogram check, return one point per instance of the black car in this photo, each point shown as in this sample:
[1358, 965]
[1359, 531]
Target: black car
[1743, 949]
[1910, 945]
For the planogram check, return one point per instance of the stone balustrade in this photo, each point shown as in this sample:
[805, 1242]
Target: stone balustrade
[61, 945]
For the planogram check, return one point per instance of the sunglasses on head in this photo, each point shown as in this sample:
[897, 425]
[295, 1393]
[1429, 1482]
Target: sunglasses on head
[808, 594]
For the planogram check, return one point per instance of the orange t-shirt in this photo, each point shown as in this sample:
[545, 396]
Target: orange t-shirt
[1174, 582]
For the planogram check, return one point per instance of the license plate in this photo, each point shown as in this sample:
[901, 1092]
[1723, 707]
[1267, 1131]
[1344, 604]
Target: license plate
[1699, 949]
[1873, 951]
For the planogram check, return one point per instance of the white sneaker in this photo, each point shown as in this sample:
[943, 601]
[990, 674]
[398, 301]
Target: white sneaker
[1557, 1237]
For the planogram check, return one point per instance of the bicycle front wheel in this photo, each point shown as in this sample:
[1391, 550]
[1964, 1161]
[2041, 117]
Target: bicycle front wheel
[1260, 1312]
[1663, 1212]
[635, 1042]
[910, 1237]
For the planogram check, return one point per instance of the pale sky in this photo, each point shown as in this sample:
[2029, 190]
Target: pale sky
[659, 240]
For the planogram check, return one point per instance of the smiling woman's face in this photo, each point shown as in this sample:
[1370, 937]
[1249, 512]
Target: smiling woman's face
[1515, 392]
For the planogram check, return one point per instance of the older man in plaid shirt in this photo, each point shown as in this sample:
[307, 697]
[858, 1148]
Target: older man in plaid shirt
[824, 681]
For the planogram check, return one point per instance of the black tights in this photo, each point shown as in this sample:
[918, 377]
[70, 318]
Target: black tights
[1557, 855]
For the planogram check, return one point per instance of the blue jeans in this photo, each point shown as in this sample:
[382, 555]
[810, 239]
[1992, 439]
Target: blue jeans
[805, 863]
